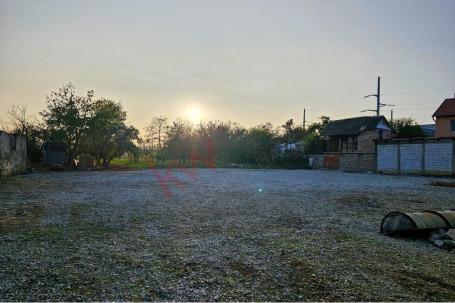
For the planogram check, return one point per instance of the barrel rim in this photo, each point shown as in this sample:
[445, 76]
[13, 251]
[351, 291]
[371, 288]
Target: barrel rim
[393, 213]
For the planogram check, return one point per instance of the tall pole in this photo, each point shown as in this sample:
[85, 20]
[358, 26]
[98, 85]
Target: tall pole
[304, 118]
[378, 98]
[391, 115]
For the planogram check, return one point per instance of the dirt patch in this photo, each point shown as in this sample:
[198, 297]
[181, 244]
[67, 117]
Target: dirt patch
[22, 216]
[443, 183]
[360, 200]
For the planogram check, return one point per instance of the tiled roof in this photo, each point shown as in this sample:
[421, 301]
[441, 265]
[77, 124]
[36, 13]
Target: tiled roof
[447, 108]
[352, 126]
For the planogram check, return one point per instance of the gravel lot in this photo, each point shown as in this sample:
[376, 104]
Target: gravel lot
[224, 234]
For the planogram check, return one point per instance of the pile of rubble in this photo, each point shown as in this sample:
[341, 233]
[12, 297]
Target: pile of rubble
[443, 239]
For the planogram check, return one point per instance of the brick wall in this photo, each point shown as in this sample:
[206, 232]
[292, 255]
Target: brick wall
[332, 161]
[366, 139]
[357, 162]
[427, 157]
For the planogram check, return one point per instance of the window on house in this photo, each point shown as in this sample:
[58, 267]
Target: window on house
[452, 125]
[346, 143]
[354, 143]
[333, 145]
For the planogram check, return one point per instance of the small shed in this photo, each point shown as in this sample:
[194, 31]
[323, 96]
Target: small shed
[86, 162]
[53, 153]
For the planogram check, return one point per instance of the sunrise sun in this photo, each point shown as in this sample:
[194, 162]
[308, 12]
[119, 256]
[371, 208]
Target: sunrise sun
[194, 114]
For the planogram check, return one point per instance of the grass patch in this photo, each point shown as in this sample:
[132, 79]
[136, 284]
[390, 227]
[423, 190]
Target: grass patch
[127, 164]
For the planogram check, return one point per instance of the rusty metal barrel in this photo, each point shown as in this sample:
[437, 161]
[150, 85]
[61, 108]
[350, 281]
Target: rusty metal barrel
[407, 223]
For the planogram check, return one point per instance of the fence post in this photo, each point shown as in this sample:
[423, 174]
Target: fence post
[453, 157]
[423, 158]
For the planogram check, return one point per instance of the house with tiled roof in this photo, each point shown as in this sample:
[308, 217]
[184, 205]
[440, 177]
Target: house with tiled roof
[350, 143]
[444, 117]
[357, 134]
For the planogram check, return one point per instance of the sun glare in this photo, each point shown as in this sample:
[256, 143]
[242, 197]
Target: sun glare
[194, 114]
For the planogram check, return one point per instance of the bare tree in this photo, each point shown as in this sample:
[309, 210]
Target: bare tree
[20, 122]
[156, 133]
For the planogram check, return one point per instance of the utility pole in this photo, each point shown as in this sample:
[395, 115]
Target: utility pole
[378, 100]
[304, 118]
[391, 115]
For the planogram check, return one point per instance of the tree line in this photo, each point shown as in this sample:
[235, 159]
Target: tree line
[98, 127]
[222, 143]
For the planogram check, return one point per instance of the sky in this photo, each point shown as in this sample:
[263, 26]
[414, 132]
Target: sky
[245, 61]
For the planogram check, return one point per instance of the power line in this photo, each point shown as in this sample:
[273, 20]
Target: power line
[414, 108]
[419, 91]
[419, 72]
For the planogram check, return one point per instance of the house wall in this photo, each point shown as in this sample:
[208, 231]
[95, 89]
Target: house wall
[13, 154]
[350, 162]
[363, 159]
[443, 127]
[365, 140]
[332, 160]
[424, 157]
[358, 162]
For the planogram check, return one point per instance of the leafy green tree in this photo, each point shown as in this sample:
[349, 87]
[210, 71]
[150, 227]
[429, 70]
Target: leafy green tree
[66, 118]
[105, 126]
[314, 130]
[213, 140]
[178, 144]
[406, 128]
[260, 140]
[122, 142]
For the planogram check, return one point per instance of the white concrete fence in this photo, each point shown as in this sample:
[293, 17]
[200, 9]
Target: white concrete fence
[428, 156]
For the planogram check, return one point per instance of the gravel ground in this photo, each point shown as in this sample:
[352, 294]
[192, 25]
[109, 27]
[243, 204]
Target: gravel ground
[224, 234]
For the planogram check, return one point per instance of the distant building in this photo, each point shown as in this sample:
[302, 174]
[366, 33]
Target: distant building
[53, 154]
[429, 130]
[445, 119]
[13, 154]
[351, 142]
[356, 134]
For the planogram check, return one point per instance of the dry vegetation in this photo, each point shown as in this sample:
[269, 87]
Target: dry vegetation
[221, 235]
